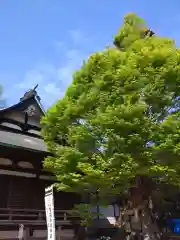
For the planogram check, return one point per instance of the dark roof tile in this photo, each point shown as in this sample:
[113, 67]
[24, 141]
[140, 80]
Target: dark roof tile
[22, 140]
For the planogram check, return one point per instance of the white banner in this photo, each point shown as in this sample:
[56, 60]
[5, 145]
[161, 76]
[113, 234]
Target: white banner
[49, 206]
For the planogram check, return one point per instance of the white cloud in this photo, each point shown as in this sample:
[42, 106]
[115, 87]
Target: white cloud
[77, 37]
[54, 80]
[59, 45]
[51, 88]
[31, 78]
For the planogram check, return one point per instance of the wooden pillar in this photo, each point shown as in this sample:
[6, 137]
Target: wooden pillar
[26, 233]
[59, 232]
[81, 233]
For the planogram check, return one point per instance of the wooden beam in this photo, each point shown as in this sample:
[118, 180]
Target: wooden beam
[25, 174]
[45, 177]
[35, 223]
[16, 173]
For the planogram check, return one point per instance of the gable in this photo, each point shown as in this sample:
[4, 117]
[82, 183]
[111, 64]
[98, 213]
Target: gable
[28, 110]
[20, 125]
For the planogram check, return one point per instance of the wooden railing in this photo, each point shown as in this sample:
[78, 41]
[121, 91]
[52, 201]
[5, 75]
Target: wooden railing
[9, 215]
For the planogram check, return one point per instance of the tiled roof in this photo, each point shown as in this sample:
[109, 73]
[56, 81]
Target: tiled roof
[22, 140]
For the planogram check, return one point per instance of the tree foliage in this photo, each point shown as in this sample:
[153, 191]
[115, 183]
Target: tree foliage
[119, 119]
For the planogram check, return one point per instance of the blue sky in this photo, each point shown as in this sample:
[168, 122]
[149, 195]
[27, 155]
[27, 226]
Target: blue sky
[44, 41]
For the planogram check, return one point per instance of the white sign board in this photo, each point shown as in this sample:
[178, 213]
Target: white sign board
[49, 206]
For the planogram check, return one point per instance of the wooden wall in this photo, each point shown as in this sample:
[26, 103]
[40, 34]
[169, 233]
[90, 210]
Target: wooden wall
[21, 192]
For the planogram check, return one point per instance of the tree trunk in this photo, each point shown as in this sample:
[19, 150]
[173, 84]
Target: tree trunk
[136, 214]
[141, 201]
[139, 225]
[150, 230]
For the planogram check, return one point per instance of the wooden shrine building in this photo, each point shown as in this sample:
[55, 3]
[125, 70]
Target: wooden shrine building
[22, 178]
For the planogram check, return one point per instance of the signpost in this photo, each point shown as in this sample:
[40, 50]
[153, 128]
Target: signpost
[49, 206]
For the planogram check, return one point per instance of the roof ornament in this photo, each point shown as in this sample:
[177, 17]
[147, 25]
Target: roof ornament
[31, 110]
[30, 93]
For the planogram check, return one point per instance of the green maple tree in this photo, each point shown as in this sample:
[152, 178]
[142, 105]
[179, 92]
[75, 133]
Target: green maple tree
[119, 120]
